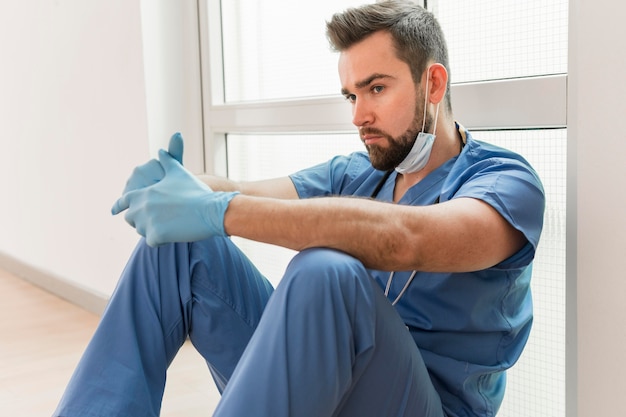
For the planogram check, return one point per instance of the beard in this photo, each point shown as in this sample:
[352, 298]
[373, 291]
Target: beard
[388, 158]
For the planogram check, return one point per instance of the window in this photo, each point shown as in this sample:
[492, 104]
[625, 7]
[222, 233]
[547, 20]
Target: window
[271, 94]
[277, 49]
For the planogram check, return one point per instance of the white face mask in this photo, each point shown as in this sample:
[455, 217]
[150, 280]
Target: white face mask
[418, 157]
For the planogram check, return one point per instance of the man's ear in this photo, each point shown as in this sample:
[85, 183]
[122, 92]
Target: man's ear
[438, 82]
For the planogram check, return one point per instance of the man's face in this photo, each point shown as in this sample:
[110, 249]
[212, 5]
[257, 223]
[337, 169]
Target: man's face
[386, 108]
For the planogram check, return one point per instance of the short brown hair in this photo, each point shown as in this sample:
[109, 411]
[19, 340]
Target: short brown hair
[417, 36]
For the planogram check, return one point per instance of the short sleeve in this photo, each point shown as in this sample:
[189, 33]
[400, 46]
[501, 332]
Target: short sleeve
[515, 191]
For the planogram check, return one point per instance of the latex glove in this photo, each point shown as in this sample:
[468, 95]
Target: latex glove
[178, 208]
[152, 171]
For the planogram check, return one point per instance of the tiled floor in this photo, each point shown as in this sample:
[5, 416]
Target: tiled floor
[41, 340]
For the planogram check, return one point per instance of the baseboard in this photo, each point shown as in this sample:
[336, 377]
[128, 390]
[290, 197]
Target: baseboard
[74, 293]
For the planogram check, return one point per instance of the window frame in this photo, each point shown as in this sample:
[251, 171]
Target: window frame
[540, 102]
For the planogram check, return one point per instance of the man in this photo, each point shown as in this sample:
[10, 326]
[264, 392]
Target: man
[456, 219]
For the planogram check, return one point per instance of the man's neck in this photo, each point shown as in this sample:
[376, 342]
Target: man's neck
[447, 145]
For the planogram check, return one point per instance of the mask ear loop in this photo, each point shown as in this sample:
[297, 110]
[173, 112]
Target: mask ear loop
[425, 100]
[426, 104]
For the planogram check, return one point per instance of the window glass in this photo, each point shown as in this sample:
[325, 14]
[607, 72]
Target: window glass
[255, 157]
[276, 49]
[498, 39]
[536, 384]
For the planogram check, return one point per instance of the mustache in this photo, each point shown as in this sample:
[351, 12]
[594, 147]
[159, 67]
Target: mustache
[372, 131]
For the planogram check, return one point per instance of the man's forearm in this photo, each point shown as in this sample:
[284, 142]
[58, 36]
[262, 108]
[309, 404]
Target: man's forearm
[459, 235]
[360, 227]
[219, 183]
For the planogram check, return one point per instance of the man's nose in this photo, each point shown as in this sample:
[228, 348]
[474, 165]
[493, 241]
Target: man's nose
[362, 114]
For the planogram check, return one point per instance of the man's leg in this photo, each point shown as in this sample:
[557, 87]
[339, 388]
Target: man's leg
[165, 294]
[330, 344]
[229, 297]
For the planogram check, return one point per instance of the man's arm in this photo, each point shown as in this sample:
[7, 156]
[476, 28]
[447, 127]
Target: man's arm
[464, 234]
[460, 235]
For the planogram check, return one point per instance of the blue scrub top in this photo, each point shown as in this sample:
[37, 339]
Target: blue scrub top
[469, 327]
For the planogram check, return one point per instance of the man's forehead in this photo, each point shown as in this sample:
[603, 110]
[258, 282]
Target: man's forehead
[358, 68]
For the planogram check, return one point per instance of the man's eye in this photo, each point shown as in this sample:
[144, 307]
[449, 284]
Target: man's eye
[377, 89]
[350, 97]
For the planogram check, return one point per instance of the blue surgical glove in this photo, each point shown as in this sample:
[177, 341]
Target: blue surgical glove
[178, 208]
[152, 171]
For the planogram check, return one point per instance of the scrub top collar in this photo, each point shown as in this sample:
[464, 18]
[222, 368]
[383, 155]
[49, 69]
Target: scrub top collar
[425, 192]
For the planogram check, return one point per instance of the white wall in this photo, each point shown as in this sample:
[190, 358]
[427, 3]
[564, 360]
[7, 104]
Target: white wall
[73, 124]
[78, 111]
[596, 210]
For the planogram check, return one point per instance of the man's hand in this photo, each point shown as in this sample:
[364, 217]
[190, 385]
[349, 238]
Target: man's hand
[151, 172]
[174, 206]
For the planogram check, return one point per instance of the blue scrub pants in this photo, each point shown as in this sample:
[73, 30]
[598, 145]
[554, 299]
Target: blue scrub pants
[326, 343]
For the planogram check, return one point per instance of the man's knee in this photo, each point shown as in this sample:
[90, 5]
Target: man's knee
[325, 263]
[317, 276]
